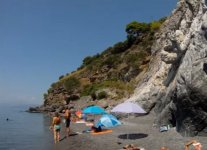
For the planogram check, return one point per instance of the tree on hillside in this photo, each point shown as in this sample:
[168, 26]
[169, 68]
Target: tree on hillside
[135, 29]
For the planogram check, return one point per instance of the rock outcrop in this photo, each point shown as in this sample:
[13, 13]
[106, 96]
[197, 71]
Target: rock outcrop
[176, 82]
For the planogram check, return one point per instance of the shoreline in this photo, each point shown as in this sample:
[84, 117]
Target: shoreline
[140, 131]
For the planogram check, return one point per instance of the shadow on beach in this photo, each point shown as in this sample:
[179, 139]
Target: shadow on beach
[133, 136]
[65, 137]
[73, 134]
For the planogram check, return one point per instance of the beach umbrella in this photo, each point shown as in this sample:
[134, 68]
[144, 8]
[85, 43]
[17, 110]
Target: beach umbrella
[96, 110]
[128, 107]
[108, 121]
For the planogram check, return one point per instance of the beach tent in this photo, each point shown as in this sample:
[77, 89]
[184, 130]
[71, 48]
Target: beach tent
[128, 107]
[108, 121]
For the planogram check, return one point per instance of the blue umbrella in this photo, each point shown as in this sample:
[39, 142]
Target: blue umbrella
[96, 110]
[108, 121]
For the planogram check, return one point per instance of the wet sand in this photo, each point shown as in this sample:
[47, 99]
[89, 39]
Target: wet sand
[140, 132]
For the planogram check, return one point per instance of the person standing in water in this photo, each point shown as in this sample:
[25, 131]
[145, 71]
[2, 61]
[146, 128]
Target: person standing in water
[67, 117]
[56, 127]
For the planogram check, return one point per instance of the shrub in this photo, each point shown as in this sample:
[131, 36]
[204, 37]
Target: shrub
[53, 85]
[62, 76]
[50, 90]
[110, 61]
[155, 25]
[90, 59]
[71, 98]
[136, 28]
[108, 50]
[86, 90]
[93, 95]
[71, 84]
[135, 59]
[89, 89]
[87, 60]
[118, 85]
[45, 96]
[119, 47]
[102, 95]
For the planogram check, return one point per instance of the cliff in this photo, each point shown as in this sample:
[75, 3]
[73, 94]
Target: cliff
[176, 81]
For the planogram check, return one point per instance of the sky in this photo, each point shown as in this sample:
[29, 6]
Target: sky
[44, 39]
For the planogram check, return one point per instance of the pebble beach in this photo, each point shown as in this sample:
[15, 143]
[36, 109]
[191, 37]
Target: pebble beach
[138, 131]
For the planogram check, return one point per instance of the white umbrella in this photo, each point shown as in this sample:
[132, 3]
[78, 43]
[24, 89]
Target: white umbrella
[128, 107]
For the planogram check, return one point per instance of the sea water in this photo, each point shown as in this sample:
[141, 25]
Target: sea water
[23, 130]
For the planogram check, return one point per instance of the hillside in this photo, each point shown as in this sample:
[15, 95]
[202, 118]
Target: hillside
[112, 74]
[161, 65]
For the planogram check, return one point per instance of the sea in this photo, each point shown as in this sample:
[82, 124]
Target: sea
[20, 130]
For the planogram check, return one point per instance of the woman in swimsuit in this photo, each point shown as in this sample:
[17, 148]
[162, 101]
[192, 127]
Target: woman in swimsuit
[56, 127]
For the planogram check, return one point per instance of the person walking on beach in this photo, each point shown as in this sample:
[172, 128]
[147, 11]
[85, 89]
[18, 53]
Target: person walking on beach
[56, 127]
[67, 117]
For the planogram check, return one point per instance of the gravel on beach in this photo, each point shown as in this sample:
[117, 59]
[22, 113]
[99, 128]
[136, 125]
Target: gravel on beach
[138, 131]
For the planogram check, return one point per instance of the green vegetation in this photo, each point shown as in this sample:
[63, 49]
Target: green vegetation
[120, 47]
[111, 61]
[135, 28]
[155, 25]
[61, 77]
[111, 84]
[102, 95]
[136, 59]
[89, 90]
[71, 84]
[90, 59]
[115, 68]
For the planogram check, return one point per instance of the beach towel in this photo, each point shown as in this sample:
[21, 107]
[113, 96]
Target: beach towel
[102, 132]
[80, 121]
[89, 124]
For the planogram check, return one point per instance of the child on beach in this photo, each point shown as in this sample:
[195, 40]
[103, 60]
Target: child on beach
[56, 127]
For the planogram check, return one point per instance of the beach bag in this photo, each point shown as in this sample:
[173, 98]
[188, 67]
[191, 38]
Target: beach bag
[163, 128]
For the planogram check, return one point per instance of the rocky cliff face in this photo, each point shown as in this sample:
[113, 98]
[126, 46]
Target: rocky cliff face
[176, 82]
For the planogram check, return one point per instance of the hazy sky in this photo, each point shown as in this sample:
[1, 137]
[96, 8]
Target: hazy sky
[44, 39]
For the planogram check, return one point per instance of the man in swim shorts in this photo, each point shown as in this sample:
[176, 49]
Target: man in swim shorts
[67, 117]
